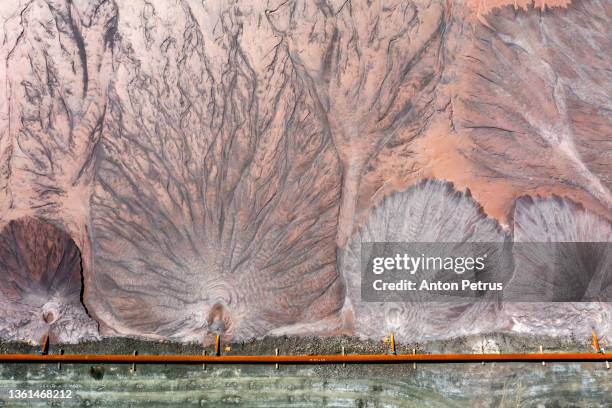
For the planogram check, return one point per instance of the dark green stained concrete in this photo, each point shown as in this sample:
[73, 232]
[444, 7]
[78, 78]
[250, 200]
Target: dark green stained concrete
[458, 385]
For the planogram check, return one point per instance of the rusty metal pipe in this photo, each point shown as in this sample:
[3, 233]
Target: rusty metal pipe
[302, 359]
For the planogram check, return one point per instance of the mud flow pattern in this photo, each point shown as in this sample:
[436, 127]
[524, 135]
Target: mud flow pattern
[41, 292]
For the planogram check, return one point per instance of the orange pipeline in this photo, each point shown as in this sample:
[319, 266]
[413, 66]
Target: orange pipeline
[301, 359]
[595, 342]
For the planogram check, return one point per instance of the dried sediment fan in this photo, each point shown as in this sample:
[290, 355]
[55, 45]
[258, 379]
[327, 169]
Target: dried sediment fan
[433, 211]
[584, 267]
[40, 290]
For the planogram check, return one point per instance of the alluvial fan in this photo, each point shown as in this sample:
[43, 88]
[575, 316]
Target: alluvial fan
[432, 211]
[582, 263]
[40, 290]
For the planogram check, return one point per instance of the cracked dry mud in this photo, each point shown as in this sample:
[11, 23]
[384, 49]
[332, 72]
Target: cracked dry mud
[172, 170]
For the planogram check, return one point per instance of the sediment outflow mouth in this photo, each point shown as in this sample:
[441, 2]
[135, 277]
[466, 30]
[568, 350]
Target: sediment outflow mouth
[49, 316]
[219, 319]
[42, 284]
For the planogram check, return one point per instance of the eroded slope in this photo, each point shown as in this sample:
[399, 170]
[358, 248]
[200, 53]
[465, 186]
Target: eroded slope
[41, 284]
[210, 159]
[217, 193]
